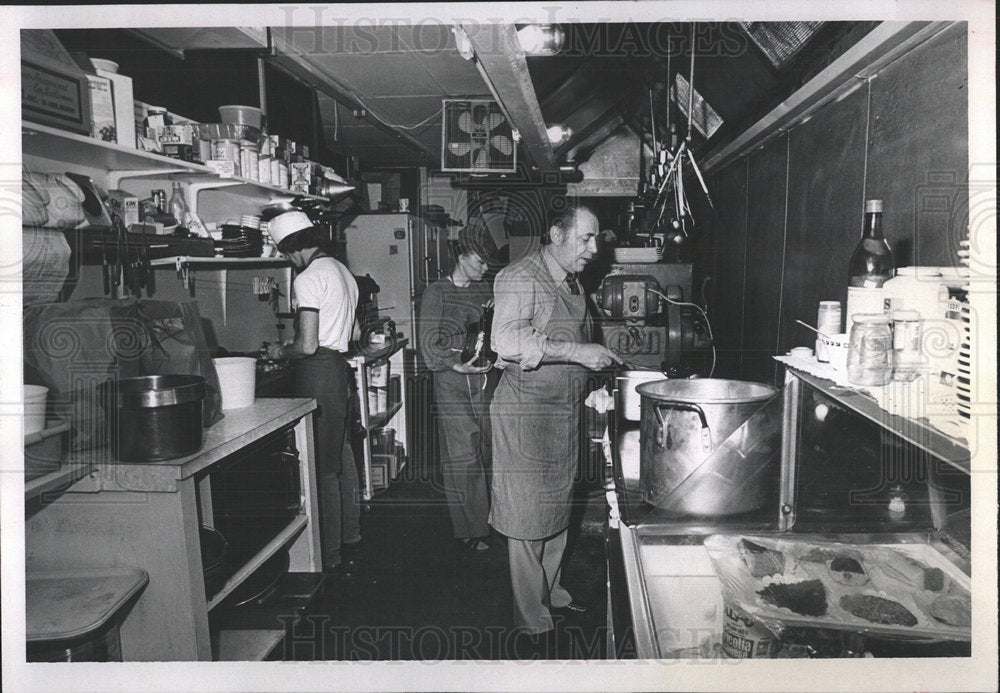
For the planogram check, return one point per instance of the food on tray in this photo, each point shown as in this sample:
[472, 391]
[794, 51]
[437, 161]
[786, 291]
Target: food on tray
[819, 554]
[952, 609]
[877, 609]
[807, 597]
[912, 572]
[847, 571]
[760, 560]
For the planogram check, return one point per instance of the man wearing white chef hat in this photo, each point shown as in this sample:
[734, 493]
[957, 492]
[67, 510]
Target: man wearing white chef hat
[326, 297]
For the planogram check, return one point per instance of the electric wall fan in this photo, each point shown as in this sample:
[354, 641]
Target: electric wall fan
[476, 138]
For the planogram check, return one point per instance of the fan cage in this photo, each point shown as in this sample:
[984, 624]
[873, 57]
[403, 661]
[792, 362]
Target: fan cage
[451, 133]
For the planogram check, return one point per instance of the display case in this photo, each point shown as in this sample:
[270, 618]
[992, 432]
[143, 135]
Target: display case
[845, 471]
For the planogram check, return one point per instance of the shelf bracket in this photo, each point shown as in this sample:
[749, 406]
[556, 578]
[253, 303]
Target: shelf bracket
[116, 177]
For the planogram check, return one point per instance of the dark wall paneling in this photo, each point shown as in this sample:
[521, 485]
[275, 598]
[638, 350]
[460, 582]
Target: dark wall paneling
[918, 149]
[729, 232]
[765, 233]
[826, 159]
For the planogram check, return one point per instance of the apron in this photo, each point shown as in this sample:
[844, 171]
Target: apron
[536, 430]
[324, 376]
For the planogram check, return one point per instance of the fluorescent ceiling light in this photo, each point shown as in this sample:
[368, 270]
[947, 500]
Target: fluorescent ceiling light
[780, 40]
[706, 120]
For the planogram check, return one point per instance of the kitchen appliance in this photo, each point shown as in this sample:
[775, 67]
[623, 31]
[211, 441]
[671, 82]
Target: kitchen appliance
[155, 417]
[403, 253]
[708, 447]
[645, 329]
[846, 473]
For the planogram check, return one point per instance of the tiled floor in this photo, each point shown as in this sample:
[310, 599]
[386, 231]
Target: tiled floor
[417, 593]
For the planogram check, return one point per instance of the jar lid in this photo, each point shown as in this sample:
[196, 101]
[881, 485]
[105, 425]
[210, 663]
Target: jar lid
[906, 315]
[871, 318]
[918, 272]
[829, 304]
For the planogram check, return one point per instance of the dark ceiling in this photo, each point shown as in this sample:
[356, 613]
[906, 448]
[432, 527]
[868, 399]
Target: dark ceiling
[379, 90]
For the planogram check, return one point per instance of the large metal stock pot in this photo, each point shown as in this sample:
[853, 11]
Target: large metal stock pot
[687, 464]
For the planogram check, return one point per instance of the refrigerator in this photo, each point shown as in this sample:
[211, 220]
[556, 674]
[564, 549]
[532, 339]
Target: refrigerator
[403, 253]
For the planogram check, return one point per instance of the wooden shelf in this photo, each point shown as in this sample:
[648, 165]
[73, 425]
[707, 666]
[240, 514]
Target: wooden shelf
[917, 432]
[248, 645]
[272, 547]
[221, 261]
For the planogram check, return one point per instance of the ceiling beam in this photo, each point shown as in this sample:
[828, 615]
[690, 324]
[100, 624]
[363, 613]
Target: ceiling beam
[299, 67]
[503, 66]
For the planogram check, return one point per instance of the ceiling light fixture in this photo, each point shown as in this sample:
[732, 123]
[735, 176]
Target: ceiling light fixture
[541, 39]
[558, 134]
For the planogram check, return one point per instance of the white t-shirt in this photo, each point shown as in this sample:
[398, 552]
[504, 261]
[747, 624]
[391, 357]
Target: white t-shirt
[328, 287]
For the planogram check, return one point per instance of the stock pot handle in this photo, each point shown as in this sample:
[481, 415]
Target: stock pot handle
[706, 432]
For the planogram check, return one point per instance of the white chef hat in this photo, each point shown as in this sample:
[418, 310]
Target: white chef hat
[287, 223]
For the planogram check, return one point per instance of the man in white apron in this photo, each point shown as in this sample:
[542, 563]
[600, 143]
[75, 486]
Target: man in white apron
[542, 331]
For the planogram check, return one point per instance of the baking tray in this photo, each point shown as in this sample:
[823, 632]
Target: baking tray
[740, 586]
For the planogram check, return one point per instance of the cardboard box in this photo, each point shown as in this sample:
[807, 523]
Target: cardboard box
[54, 89]
[223, 167]
[125, 205]
[102, 108]
[300, 177]
[124, 105]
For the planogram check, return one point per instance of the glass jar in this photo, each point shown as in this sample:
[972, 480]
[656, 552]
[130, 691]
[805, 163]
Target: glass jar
[870, 351]
[906, 345]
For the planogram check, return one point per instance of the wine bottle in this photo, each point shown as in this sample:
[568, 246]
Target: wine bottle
[871, 266]
[477, 341]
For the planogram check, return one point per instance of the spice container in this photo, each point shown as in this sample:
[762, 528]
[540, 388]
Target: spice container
[906, 358]
[869, 353]
[827, 323]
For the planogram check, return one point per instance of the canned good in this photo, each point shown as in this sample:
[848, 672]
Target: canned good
[827, 322]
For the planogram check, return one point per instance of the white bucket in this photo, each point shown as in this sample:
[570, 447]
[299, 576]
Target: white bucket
[237, 380]
[35, 399]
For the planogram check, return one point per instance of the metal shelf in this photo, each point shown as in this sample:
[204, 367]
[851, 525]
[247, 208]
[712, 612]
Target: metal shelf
[53, 143]
[917, 432]
[381, 418]
[126, 162]
[248, 645]
[286, 535]
[224, 261]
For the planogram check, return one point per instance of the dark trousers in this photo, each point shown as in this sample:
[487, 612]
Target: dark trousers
[325, 377]
[463, 417]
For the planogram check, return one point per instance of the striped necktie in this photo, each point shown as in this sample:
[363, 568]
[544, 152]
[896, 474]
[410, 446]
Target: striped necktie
[574, 288]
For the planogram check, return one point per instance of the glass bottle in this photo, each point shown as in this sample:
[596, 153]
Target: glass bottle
[177, 205]
[871, 266]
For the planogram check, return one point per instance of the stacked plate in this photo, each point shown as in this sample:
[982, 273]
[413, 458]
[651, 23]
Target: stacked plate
[240, 241]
